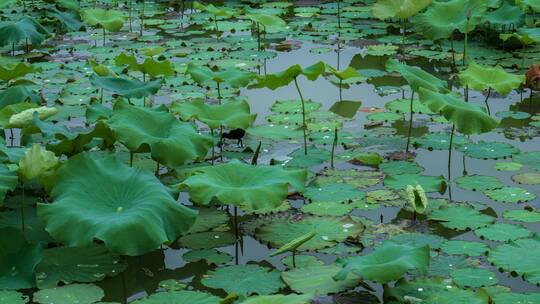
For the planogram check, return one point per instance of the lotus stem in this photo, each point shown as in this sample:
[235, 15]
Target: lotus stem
[410, 122]
[304, 127]
[294, 258]
[453, 53]
[131, 158]
[486, 100]
[22, 209]
[256, 154]
[129, 16]
[450, 161]
[213, 145]
[219, 93]
[334, 144]
[13, 49]
[236, 232]
[258, 36]
[103, 36]
[26, 46]
[403, 28]
[340, 89]
[11, 137]
[157, 169]
[466, 92]
[464, 166]
[142, 19]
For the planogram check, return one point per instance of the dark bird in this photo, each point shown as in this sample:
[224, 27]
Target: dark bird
[237, 134]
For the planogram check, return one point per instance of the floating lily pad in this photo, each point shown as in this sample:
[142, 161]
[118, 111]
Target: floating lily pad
[510, 195]
[528, 178]
[318, 280]
[183, 296]
[503, 232]
[244, 280]
[439, 141]
[75, 293]
[211, 256]
[478, 182]
[506, 256]
[468, 248]
[525, 216]
[429, 183]
[461, 217]
[528, 159]
[338, 193]
[473, 277]
[488, 150]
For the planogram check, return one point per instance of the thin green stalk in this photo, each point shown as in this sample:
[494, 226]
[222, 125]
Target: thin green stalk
[450, 160]
[22, 209]
[334, 144]
[304, 126]
[130, 17]
[486, 100]
[131, 158]
[294, 258]
[213, 145]
[340, 90]
[157, 169]
[103, 36]
[219, 93]
[142, 19]
[410, 122]
[258, 36]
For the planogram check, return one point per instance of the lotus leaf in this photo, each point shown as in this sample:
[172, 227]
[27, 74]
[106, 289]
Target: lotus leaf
[8, 180]
[400, 167]
[511, 298]
[109, 202]
[329, 231]
[281, 79]
[13, 297]
[110, 20]
[183, 296]
[244, 280]
[128, 88]
[318, 280]
[503, 232]
[271, 23]
[36, 162]
[148, 67]
[525, 216]
[68, 265]
[401, 9]
[439, 141]
[18, 260]
[243, 185]
[211, 256]
[157, 131]
[10, 72]
[25, 117]
[528, 159]
[279, 299]
[510, 195]
[461, 217]
[207, 240]
[458, 247]
[471, 277]
[232, 115]
[388, 262]
[333, 192]
[489, 150]
[26, 28]
[478, 182]
[75, 293]
[506, 256]
[429, 183]
[441, 19]
[481, 78]
[416, 77]
[528, 178]
[232, 76]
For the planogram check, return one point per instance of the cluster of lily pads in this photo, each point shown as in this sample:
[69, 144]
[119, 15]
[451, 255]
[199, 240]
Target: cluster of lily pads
[135, 169]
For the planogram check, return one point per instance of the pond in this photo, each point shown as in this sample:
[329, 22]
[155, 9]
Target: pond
[252, 152]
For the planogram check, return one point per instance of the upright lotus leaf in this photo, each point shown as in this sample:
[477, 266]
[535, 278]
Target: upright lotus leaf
[283, 78]
[401, 9]
[8, 181]
[232, 115]
[37, 162]
[468, 118]
[345, 74]
[526, 4]
[441, 19]
[388, 262]
[109, 20]
[128, 88]
[149, 66]
[171, 142]
[505, 15]
[100, 69]
[21, 31]
[481, 78]
[233, 76]
[243, 185]
[271, 23]
[18, 260]
[18, 94]
[126, 208]
[210, 8]
[10, 72]
[416, 77]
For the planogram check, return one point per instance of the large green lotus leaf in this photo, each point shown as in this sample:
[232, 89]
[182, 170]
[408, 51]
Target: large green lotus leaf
[533, 4]
[171, 142]
[400, 167]
[441, 19]
[505, 15]
[473, 277]
[460, 217]
[329, 231]
[128, 88]
[327, 208]
[488, 150]
[36, 162]
[244, 280]
[458, 247]
[333, 193]
[519, 256]
[439, 141]
[429, 183]
[503, 232]
[401, 9]
[211, 256]
[281, 79]
[126, 208]
[110, 20]
[481, 78]
[525, 216]
[240, 184]
[279, 299]
[318, 280]
[26, 28]
[513, 298]
[149, 66]
[18, 260]
[17, 94]
[12, 297]
[478, 182]
[182, 296]
[207, 240]
[510, 195]
[74, 293]
[433, 291]
[232, 115]
[8, 181]
[416, 77]
[70, 264]
[237, 78]
[388, 262]
[210, 8]
[418, 239]
[13, 71]
[271, 23]
[467, 117]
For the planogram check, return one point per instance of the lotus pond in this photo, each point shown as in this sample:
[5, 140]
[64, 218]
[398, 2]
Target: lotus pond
[262, 152]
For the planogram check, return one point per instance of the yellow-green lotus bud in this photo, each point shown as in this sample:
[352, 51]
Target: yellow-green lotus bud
[416, 196]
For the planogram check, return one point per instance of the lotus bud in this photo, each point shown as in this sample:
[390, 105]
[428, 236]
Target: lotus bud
[416, 196]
